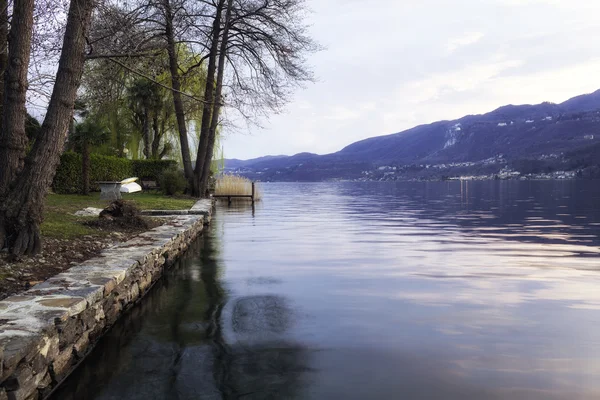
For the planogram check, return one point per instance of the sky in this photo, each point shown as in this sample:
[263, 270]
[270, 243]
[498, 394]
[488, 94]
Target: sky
[389, 65]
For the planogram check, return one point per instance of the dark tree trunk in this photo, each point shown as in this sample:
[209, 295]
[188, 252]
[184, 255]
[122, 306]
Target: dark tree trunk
[85, 168]
[21, 213]
[146, 134]
[156, 139]
[208, 102]
[3, 49]
[176, 92]
[13, 139]
[214, 122]
[114, 122]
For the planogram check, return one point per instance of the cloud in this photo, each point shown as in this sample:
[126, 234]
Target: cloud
[464, 40]
[401, 63]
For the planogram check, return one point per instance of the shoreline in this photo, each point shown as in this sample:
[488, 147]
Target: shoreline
[47, 330]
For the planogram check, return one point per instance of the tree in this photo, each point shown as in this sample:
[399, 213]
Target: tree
[263, 43]
[85, 135]
[22, 206]
[145, 102]
[209, 132]
[13, 138]
[169, 32]
[253, 52]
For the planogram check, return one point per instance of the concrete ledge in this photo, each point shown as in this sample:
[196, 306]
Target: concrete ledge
[202, 207]
[46, 330]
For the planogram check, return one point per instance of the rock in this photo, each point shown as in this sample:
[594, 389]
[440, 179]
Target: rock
[62, 363]
[88, 212]
[81, 345]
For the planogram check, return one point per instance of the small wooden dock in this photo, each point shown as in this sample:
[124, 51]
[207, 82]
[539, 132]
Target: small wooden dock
[238, 196]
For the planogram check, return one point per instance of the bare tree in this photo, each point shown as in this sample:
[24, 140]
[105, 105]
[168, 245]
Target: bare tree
[263, 44]
[13, 140]
[208, 137]
[22, 207]
[252, 51]
[176, 84]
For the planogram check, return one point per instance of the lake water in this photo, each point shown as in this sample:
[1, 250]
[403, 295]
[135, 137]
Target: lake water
[440, 290]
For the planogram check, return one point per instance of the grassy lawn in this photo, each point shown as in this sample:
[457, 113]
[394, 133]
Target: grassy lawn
[156, 201]
[59, 221]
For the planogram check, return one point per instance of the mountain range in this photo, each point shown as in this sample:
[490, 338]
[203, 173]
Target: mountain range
[542, 137]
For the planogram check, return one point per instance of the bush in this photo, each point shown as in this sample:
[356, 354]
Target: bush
[68, 174]
[151, 170]
[105, 168]
[172, 182]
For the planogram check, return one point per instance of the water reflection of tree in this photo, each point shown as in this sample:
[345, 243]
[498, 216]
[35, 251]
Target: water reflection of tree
[174, 346]
[259, 364]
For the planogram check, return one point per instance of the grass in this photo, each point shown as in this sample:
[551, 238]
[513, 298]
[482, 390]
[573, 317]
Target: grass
[157, 201]
[59, 221]
[236, 185]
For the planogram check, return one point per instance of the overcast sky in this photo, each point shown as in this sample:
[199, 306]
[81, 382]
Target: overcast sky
[389, 65]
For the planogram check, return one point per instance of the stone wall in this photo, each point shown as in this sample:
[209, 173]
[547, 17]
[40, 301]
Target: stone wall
[47, 330]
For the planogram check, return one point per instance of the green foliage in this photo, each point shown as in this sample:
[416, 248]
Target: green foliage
[173, 182]
[151, 170]
[105, 168]
[68, 174]
[90, 132]
[32, 127]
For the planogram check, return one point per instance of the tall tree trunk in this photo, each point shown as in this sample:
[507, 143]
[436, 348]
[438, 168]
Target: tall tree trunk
[156, 139]
[146, 134]
[85, 168]
[21, 213]
[3, 49]
[13, 139]
[208, 102]
[176, 92]
[214, 122]
[116, 127]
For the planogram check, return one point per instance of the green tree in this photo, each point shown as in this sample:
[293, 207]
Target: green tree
[87, 134]
[144, 102]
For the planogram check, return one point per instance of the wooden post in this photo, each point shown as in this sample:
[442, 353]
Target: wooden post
[253, 192]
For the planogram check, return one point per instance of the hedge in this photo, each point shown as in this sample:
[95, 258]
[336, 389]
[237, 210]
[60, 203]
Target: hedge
[151, 170]
[104, 168]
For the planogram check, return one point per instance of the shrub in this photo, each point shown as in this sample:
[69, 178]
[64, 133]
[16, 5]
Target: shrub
[68, 174]
[151, 170]
[172, 181]
[235, 185]
[105, 168]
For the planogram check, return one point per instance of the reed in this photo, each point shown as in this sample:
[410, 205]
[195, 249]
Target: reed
[236, 185]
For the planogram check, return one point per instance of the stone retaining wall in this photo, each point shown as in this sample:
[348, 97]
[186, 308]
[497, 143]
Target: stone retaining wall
[47, 330]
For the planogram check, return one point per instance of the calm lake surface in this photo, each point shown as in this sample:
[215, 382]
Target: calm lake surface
[439, 290]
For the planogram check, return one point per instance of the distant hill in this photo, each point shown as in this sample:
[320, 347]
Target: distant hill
[564, 132]
[234, 163]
